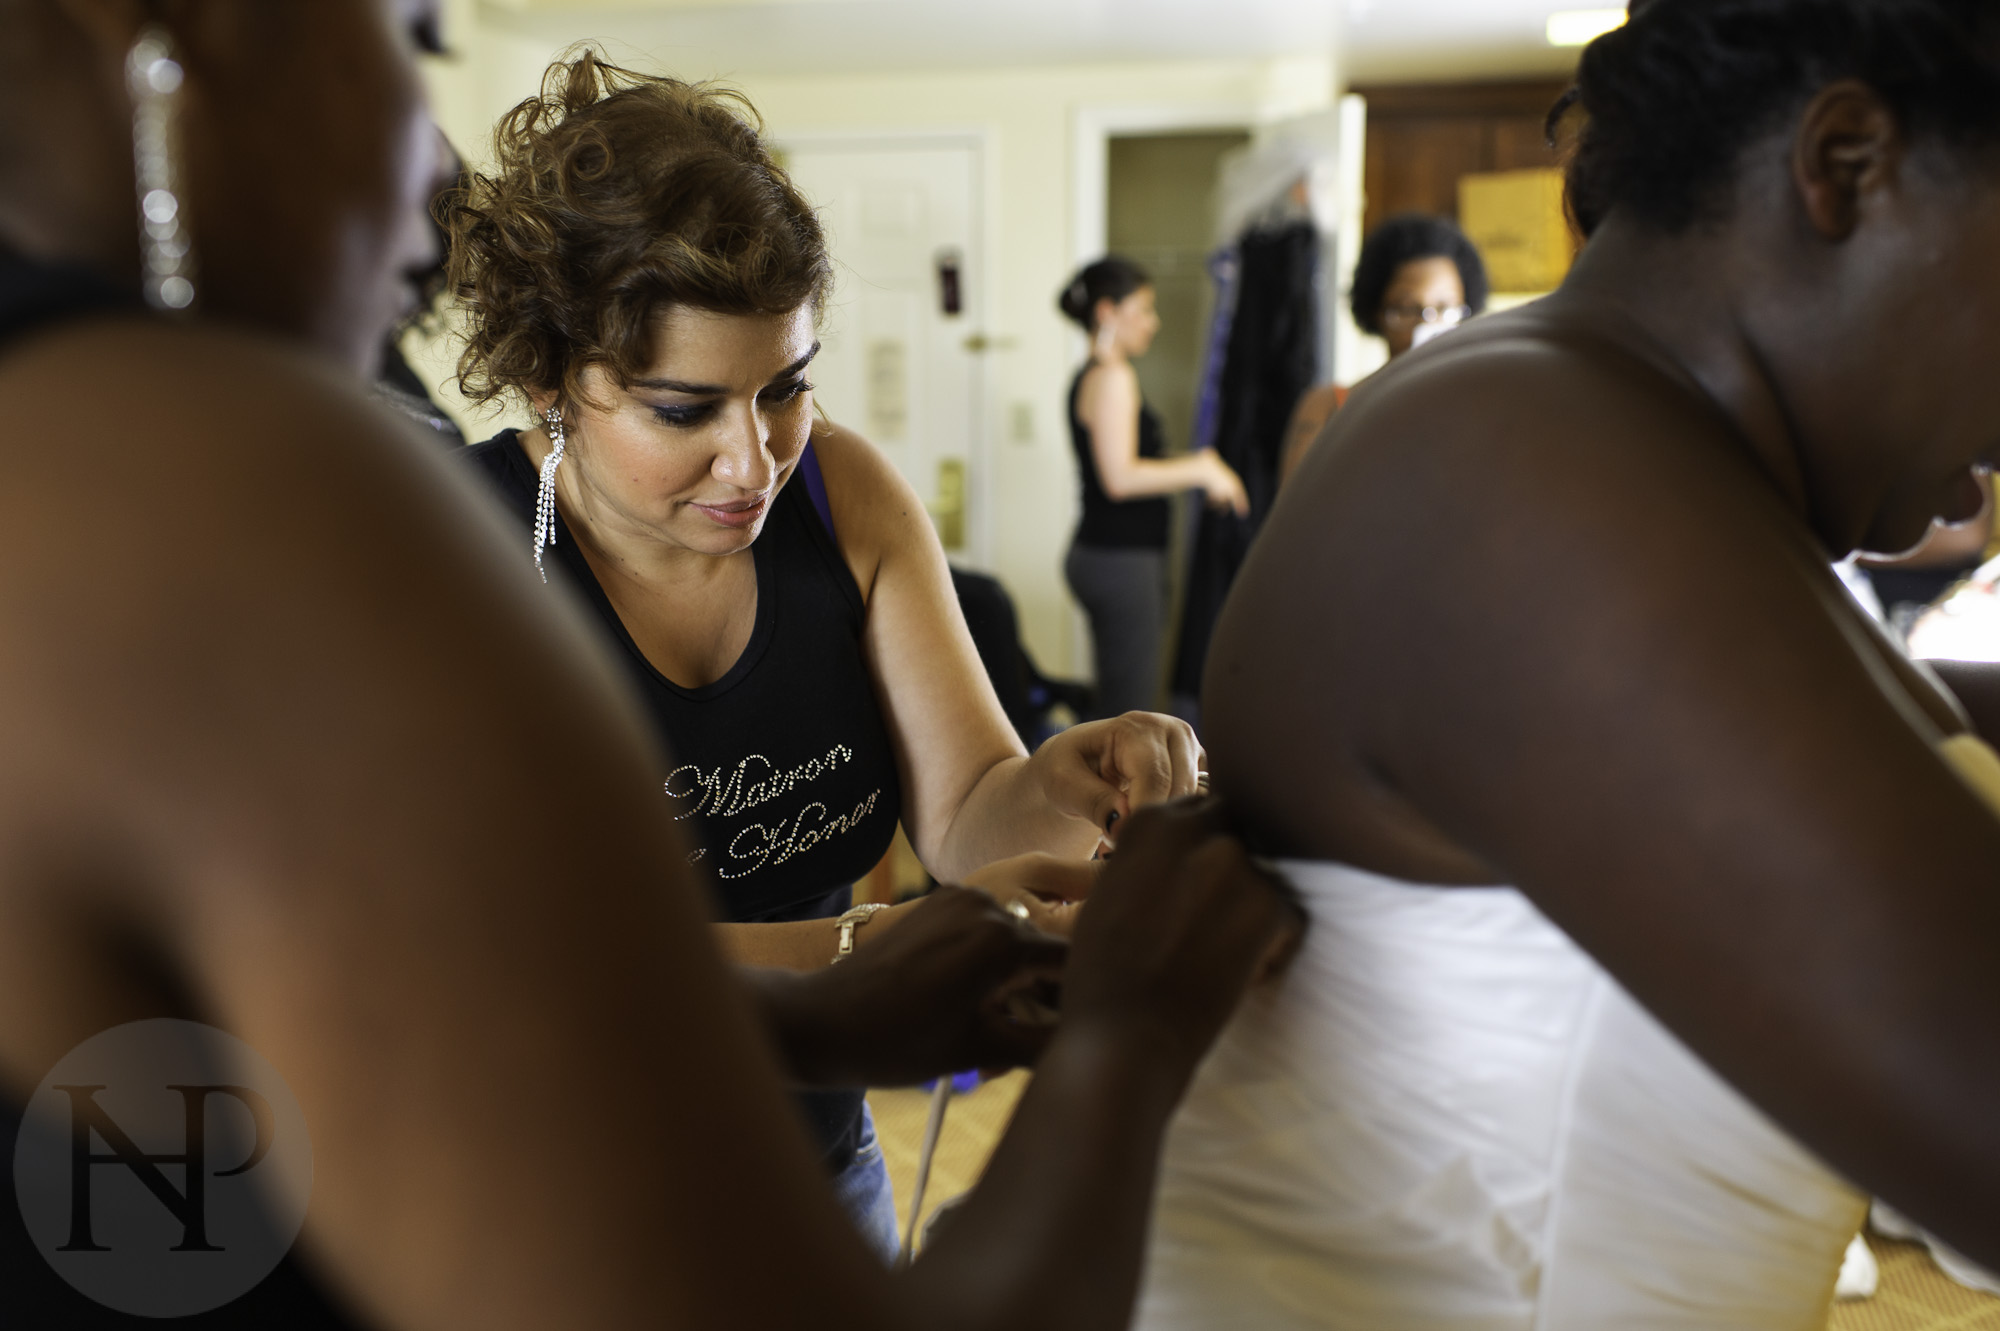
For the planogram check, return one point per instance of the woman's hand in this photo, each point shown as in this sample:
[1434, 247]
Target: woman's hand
[1224, 487]
[1101, 771]
[1042, 889]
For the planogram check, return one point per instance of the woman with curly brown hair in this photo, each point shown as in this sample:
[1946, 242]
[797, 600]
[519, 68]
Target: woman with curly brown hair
[640, 272]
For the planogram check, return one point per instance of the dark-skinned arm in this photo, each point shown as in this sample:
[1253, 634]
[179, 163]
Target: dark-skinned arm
[378, 806]
[927, 999]
[1135, 1026]
[1685, 751]
[1976, 685]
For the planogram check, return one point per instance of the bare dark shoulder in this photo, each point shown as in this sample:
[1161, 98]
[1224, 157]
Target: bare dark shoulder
[1462, 510]
[251, 594]
[199, 442]
[205, 466]
[1531, 615]
[155, 415]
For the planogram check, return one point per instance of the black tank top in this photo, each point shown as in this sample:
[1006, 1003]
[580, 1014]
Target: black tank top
[1116, 524]
[34, 297]
[782, 770]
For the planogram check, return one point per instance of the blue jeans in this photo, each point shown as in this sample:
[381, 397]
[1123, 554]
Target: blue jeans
[864, 1193]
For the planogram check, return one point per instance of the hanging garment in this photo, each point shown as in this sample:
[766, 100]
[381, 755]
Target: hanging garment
[1223, 266]
[1273, 351]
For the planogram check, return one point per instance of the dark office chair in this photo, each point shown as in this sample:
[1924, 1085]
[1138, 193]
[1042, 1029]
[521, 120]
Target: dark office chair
[1026, 694]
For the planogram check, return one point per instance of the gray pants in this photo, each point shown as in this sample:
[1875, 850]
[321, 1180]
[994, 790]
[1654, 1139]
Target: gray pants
[1124, 591]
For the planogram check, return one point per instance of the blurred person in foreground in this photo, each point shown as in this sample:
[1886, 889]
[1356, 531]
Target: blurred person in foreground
[297, 749]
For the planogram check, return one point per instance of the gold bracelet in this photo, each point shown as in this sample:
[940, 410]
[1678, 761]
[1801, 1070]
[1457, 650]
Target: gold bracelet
[853, 919]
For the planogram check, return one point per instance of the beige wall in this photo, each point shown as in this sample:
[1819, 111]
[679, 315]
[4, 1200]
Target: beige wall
[1029, 119]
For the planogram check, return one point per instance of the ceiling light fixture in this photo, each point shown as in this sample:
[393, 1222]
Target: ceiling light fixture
[1580, 27]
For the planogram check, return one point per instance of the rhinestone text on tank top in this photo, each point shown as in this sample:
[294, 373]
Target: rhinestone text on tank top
[728, 791]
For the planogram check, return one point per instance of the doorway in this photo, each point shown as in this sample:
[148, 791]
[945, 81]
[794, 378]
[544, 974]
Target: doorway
[899, 344]
[1160, 212]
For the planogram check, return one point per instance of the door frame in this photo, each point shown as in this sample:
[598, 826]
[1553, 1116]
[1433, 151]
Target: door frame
[1093, 128]
[977, 552]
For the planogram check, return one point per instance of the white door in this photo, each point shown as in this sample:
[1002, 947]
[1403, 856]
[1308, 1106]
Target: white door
[899, 353]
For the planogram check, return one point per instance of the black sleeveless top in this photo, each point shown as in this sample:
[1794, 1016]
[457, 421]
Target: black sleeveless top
[1117, 524]
[34, 297]
[782, 770]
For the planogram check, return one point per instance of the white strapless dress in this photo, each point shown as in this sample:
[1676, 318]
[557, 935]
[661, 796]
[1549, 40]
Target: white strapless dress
[1446, 1115]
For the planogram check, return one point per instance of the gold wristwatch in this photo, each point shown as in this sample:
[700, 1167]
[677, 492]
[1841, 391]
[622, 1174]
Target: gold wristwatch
[853, 919]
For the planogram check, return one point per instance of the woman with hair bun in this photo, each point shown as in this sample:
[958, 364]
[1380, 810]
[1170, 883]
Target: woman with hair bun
[639, 272]
[1117, 563]
[1655, 892]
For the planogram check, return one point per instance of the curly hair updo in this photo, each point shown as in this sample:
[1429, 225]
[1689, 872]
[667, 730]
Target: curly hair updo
[616, 194]
[1673, 98]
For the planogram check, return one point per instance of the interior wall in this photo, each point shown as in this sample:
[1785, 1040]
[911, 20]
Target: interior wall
[1028, 118]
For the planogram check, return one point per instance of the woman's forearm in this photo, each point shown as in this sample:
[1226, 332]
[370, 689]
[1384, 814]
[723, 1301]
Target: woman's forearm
[1142, 478]
[1008, 812]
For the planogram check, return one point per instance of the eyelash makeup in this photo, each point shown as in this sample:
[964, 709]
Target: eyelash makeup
[683, 418]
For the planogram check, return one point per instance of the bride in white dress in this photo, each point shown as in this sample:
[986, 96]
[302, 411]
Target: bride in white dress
[1448, 1116]
[1655, 895]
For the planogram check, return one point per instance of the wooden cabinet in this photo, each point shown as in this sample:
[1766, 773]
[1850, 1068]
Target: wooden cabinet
[1423, 137]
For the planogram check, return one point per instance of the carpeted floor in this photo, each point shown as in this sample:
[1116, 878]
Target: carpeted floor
[1914, 1296]
[971, 1126]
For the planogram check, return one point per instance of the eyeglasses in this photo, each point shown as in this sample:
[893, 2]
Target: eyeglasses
[1447, 316]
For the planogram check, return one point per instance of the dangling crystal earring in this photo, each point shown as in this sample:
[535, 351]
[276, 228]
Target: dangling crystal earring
[545, 498]
[153, 77]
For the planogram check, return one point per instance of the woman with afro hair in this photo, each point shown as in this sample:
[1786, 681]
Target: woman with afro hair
[1417, 276]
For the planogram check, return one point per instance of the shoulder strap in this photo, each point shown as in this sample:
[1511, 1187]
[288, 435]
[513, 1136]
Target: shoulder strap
[816, 487]
[34, 295]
